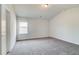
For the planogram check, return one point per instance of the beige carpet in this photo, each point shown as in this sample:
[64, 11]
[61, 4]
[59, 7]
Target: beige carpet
[44, 46]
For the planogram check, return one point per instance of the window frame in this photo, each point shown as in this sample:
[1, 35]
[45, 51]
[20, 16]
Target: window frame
[19, 28]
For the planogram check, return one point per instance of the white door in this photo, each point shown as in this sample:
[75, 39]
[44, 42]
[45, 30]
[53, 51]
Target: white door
[7, 30]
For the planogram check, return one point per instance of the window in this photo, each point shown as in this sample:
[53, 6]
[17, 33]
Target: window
[23, 27]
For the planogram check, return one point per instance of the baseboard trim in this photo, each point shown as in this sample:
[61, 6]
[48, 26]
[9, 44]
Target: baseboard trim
[48, 37]
[32, 38]
[63, 40]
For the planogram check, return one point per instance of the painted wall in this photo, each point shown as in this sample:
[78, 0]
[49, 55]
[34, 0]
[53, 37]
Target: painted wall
[12, 28]
[36, 28]
[3, 30]
[65, 26]
[0, 29]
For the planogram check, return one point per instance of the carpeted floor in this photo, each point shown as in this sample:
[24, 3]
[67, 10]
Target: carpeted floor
[44, 46]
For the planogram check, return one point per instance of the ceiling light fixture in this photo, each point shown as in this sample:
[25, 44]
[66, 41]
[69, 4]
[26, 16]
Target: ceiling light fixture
[44, 5]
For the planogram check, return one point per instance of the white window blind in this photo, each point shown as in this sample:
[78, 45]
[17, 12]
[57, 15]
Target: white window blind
[23, 27]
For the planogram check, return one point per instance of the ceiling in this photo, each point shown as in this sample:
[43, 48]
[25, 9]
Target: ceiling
[35, 11]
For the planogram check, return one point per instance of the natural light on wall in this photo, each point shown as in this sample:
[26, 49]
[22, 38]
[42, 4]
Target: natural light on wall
[23, 27]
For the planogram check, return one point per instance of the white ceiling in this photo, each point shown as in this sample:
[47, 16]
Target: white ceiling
[36, 11]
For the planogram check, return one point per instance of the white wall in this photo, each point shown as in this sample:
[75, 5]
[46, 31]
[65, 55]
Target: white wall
[65, 26]
[0, 29]
[3, 30]
[12, 28]
[37, 28]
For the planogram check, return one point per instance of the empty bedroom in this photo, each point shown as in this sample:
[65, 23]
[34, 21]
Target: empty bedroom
[40, 29]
